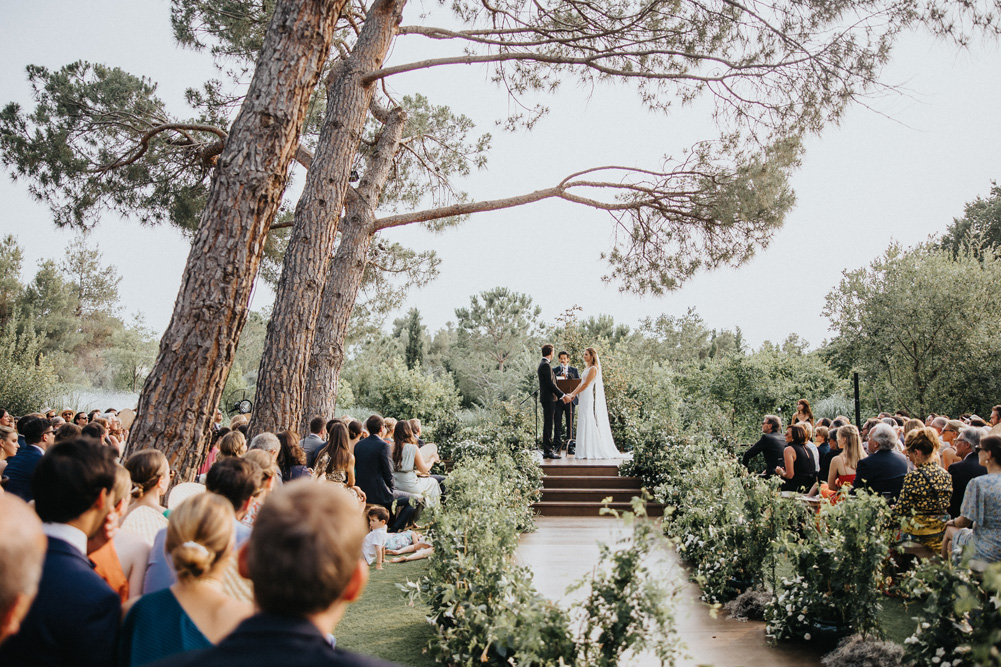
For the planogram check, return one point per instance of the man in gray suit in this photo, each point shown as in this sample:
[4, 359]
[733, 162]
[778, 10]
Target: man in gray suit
[314, 442]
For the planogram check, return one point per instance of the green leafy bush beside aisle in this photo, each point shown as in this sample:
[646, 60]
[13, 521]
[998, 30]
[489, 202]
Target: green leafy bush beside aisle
[837, 559]
[960, 620]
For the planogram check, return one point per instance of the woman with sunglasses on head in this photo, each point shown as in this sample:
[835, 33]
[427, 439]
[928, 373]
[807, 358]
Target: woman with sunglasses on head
[150, 480]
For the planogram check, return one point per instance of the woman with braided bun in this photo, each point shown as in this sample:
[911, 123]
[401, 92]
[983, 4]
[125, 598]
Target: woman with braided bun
[193, 613]
[150, 480]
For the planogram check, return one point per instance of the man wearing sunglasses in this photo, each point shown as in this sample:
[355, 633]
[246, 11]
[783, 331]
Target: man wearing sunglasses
[39, 435]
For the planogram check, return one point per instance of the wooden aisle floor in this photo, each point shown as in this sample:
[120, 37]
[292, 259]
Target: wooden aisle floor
[564, 549]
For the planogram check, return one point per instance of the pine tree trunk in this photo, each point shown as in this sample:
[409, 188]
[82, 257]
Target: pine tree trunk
[196, 352]
[281, 384]
[347, 271]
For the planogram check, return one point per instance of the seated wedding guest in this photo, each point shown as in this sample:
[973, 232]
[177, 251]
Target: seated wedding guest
[291, 458]
[8, 445]
[799, 470]
[356, 431]
[912, 424]
[122, 561]
[6, 418]
[390, 425]
[883, 470]
[923, 507]
[335, 462]
[408, 461]
[304, 559]
[74, 618]
[269, 481]
[948, 450]
[151, 476]
[217, 435]
[374, 475]
[313, 443]
[843, 467]
[68, 432]
[236, 480]
[22, 552]
[373, 547]
[978, 526]
[820, 441]
[38, 437]
[771, 444]
[232, 445]
[968, 466]
[67, 415]
[810, 446]
[80, 419]
[267, 442]
[193, 613]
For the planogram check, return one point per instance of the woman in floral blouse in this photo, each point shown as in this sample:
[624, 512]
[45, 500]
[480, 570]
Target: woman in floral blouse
[923, 507]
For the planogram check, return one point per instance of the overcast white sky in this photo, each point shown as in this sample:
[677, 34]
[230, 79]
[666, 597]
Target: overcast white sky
[900, 172]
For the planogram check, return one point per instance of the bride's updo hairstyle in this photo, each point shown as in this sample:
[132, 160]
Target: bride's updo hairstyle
[199, 534]
[594, 355]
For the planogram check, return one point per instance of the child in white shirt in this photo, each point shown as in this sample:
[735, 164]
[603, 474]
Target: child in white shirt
[373, 548]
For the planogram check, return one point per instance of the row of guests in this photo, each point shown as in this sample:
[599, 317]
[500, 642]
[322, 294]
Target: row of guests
[924, 494]
[303, 557]
[31, 434]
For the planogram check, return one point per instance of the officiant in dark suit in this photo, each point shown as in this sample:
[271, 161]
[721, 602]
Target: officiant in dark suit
[564, 411]
[549, 396]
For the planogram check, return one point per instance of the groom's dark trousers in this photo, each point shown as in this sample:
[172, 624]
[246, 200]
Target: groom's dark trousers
[549, 394]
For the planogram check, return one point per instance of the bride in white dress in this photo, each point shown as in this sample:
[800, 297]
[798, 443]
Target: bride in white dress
[594, 433]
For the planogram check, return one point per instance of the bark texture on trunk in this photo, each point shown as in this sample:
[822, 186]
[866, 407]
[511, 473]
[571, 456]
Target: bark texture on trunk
[347, 270]
[281, 384]
[196, 352]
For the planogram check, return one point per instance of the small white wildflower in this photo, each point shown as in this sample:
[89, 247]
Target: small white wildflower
[801, 618]
[807, 636]
[940, 652]
[936, 660]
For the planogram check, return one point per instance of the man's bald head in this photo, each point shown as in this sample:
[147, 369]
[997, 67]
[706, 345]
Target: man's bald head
[22, 552]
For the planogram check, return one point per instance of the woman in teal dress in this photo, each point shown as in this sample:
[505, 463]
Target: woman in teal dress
[194, 613]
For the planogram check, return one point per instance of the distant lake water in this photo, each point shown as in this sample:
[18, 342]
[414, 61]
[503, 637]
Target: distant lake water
[84, 399]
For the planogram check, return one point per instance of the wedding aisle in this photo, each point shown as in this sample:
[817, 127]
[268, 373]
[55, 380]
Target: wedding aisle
[563, 549]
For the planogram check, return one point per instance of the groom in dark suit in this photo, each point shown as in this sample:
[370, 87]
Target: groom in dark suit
[549, 395]
[564, 411]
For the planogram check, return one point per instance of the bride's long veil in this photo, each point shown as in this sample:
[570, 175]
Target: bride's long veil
[601, 413]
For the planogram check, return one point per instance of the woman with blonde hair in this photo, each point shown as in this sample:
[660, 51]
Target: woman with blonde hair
[193, 613]
[923, 507]
[843, 466]
[8, 445]
[150, 480]
[271, 475]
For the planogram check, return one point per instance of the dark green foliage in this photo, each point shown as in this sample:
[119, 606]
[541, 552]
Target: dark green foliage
[99, 139]
[959, 621]
[837, 562]
[912, 324]
[980, 224]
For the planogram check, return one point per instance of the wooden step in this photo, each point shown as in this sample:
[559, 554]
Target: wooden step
[579, 470]
[588, 495]
[591, 481]
[547, 508]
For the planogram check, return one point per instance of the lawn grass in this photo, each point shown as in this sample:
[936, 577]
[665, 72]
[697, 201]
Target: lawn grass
[382, 624]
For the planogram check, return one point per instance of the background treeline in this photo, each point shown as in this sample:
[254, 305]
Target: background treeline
[919, 324]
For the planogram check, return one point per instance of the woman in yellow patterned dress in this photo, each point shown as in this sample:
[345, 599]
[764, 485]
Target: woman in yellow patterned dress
[923, 507]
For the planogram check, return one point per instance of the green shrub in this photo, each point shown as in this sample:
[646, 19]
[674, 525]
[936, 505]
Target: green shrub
[837, 563]
[397, 391]
[960, 622]
[27, 379]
